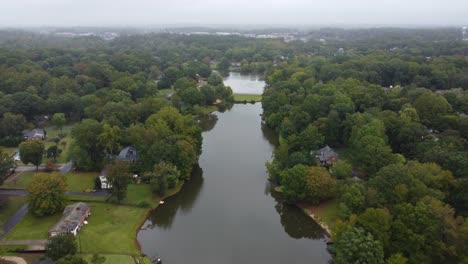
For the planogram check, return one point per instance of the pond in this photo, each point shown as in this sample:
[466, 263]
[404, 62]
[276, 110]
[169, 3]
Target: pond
[244, 84]
[228, 212]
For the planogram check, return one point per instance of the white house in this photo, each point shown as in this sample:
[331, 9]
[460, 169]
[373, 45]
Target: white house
[105, 184]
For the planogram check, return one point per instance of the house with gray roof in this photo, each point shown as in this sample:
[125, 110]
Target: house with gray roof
[325, 156]
[128, 154]
[36, 133]
[72, 219]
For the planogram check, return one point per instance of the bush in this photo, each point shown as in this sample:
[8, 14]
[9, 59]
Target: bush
[60, 246]
[97, 183]
[11, 142]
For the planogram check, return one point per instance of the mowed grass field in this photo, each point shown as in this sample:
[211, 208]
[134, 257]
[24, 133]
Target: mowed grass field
[76, 181]
[33, 227]
[111, 229]
[12, 204]
[247, 97]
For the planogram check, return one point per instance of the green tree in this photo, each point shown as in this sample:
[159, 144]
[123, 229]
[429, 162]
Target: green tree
[371, 153]
[32, 151]
[46, 193]
[352, 196]
[109, 138]
[215, 79]
[52, 152]
[119, 177]
[355, 246]
[86, 152]
[60, 246]
[397, 259]
[59, 120]
[377, 221]
[342, 169]
[224, 64]
[302, 183]
[430, 106]
[320, 185]
[11, 125]
[6, 164]
[293, 183]
[164, 176]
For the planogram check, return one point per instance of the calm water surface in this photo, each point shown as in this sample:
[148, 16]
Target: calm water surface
[245, 84]
[227, 212]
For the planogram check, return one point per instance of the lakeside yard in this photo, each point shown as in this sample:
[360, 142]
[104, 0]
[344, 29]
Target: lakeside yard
[247, 97]
[326, 213]
[108, 222]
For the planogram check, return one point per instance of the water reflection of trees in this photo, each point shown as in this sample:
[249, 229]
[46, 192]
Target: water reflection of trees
[164, 215]
[295, 223]
[208, 122]
[270, 135]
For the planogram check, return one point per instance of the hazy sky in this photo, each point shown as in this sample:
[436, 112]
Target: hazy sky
[203, 12]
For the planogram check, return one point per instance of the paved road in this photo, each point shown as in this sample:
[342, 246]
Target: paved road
[28, 168]
[14, 219]
[66, 167]
[13, 192]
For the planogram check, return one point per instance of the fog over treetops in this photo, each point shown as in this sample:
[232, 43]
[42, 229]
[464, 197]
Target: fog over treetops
[211, 12]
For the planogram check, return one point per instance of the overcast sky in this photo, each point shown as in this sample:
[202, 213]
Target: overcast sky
[234, 12]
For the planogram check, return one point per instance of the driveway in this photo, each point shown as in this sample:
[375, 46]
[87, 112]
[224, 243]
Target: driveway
[66, 167]
[13, 192]
[14, 219]
[21, 168]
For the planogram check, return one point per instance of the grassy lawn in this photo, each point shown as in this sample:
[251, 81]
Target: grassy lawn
[9, 150]
[247, 97]
[112, 259]
[21, 182]
[33, 227]
[12, 205]
[77, 182]
[80, 182]
[137, 193]
[111, 229]
[326, 212]
[64, 143]
[53, 132]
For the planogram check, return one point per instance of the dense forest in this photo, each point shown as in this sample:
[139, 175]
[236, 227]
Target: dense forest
[392, 102]
[398, 118]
